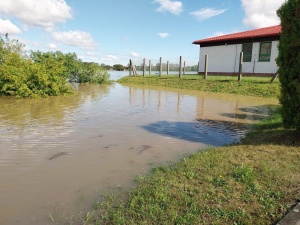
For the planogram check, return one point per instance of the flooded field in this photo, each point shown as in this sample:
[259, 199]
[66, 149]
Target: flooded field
[60, 153]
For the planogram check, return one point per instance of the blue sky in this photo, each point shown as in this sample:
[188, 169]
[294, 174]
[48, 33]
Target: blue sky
[114, 31]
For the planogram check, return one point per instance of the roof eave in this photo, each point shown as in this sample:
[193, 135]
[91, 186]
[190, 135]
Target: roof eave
[237, 41]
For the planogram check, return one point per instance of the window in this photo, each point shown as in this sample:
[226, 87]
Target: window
[247, 52]
[265, 51]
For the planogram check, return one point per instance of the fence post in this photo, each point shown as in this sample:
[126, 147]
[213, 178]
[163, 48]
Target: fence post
[144, 67]
[168, 67]
[275, 76]
[180, 67]
[130, 67]
[240, 67]
[160, 66]
[149, 67]
[206, 67]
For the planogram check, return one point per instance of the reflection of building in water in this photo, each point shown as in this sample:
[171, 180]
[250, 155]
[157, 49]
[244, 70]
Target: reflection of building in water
[221, 110]
[217, 111]
[228, 116]
[233, 110]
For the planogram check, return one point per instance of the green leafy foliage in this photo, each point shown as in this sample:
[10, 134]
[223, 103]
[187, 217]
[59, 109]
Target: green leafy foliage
[92, 73]
[289, 63]
[118, 67]
[43, 74]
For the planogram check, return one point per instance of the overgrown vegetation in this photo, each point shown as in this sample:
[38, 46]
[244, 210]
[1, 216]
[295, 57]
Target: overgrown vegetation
[254, 182]
[43, 74]
[250, 86]
[289, 63]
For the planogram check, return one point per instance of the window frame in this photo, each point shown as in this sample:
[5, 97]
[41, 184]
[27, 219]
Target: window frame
[247, 54]
[261, 55]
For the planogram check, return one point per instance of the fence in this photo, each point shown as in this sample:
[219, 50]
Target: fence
[164, 66]
[234, 65]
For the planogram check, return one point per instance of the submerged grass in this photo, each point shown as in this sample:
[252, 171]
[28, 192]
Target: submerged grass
[254, 182]
[250, 86]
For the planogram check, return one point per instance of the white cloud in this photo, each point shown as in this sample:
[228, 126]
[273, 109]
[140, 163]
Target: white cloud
[221, 33]
[76, 38]
[174, 7]
[206, 13]
[134, 54]
[52, 46]
[43, 14]
[111, 57]
[261, 13]
[163, 35]
[218, 33]
[8, 27]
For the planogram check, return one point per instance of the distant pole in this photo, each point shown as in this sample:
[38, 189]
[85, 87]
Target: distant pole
[160, 66]
[168, 67]
[240, 67]
[144, 67]
[149, 67]
[184, 68]
[130, 67]
[198, 68]
[180, 67]
[206, 67]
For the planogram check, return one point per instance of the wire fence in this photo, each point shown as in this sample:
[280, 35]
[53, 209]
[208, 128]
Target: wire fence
[187, 65]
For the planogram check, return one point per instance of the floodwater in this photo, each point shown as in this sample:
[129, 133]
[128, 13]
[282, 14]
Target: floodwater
[58, 154]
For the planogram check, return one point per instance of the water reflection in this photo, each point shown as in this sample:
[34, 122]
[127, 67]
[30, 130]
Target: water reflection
[23, 111]
[104, 135]
[192, 131]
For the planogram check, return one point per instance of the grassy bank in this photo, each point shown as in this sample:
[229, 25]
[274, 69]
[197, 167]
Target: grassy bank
[250, 86]
[254, 182]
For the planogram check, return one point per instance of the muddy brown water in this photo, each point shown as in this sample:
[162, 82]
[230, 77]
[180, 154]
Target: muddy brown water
[57, 155]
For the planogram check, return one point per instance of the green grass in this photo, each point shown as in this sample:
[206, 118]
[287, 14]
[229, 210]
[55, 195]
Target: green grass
[250, 86]
[254, 182]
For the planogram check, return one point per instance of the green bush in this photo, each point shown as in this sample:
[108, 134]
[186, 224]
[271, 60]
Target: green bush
[43, 74]
[20, 76]
[289, 63]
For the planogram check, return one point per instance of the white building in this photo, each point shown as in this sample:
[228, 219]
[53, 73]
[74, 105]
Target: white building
[259, 47]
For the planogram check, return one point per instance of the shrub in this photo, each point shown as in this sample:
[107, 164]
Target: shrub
[289, 63]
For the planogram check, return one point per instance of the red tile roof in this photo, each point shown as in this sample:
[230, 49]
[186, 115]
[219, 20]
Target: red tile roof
[273, 31]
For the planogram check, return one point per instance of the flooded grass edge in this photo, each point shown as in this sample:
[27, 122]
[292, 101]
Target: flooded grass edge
[253, 182]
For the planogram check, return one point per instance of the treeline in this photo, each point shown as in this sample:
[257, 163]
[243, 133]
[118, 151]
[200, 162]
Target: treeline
[43, 74]
[117, 67]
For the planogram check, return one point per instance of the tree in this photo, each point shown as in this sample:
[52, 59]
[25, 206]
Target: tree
[118, 67]
[106, 67]
[289, 63]
[21, 76]
[90, 72]
[43, 73]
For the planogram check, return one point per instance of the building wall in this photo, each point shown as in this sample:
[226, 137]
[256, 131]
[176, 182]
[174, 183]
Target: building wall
[225, 59]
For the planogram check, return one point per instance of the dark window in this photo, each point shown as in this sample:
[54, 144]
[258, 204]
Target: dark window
[247, 52]
[265, 51]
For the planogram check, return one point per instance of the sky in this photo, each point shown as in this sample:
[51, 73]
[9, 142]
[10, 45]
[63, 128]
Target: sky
[114, 31]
